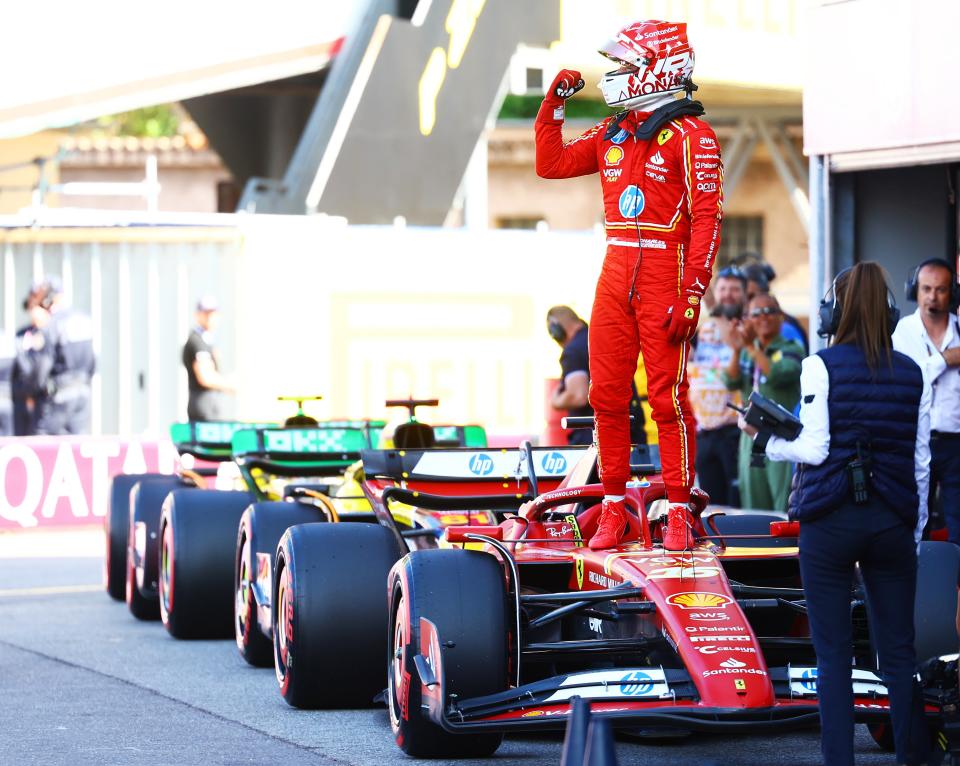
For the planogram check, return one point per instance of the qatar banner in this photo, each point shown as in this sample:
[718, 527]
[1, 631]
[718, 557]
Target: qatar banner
[52, 481]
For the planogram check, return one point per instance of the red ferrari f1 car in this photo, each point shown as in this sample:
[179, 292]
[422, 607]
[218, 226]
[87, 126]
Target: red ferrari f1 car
[710, 639]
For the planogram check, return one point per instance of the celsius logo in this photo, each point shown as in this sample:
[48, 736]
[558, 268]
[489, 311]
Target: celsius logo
[621, 137]
[554, 462]
[636, 684]
[631, 202]
[481, 465]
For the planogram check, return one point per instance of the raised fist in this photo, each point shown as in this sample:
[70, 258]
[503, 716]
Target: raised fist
[565, 84]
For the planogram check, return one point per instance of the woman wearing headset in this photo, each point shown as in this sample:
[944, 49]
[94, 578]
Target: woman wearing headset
[860, 495]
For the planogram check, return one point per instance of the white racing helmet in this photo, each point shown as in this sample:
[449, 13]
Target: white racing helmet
[655, 60]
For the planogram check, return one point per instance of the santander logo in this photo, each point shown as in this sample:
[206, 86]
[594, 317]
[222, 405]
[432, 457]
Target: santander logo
[657, 159]
[732, 663]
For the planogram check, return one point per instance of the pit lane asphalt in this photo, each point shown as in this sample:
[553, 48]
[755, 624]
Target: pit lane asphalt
[82, 682]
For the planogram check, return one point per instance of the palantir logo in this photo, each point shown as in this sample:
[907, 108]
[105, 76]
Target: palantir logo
[636, 684]
[481, 465]
[554, 462]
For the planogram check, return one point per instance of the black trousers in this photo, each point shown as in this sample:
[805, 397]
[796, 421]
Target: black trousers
[945, 474]
[882, 543]
[716, 464]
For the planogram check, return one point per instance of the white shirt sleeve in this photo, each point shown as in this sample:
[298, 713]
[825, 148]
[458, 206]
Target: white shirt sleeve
[922, 458]
[813, 443]
[908, 339]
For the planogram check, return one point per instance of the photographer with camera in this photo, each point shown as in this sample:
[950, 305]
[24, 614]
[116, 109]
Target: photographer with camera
[765, 362]
[860, 496]
[717, 432]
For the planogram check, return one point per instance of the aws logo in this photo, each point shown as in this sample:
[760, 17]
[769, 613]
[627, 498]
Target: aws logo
[481, 465]
[699, 600]
[613, 155]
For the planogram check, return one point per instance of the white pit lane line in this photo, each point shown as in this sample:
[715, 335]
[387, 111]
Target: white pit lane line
[52, 590]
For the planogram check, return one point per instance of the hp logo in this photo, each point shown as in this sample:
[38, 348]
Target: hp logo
[481, 465]
[808, 679]
[631, 202]
[554, 462]
[636, 684]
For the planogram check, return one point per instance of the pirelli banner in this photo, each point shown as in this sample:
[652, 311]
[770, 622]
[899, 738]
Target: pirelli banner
[361, 314]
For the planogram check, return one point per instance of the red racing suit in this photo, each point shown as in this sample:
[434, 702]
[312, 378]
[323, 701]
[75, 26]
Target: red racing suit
[663, 202]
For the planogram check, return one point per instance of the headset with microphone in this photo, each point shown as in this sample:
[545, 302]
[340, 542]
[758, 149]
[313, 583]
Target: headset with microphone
[830, 310]
[912, 284]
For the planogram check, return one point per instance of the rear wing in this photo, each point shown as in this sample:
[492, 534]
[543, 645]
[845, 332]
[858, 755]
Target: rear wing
[321, 451]
[460, 436]
[469, 465]
[209, 440]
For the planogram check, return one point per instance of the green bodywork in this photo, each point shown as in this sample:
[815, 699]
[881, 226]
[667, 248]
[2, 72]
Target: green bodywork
[267, 452]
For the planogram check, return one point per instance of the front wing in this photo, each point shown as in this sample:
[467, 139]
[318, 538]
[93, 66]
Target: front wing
[642, 697]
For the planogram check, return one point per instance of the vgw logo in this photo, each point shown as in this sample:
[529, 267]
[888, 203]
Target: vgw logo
[636, 684]
[554, 462]
[481, 465]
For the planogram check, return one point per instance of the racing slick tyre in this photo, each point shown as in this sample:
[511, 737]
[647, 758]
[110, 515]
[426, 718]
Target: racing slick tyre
[146, 500]
[115, 527]
[198, 532]
[462, 593]
[261, 527]
[329, 613]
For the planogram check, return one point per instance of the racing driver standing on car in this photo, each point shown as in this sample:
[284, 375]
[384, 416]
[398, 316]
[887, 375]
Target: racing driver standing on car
[661, 177]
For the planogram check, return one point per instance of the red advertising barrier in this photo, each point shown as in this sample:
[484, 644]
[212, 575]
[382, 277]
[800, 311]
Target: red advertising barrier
[61, 480]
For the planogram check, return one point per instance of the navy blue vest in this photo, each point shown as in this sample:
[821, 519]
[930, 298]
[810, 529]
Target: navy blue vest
[879, 410]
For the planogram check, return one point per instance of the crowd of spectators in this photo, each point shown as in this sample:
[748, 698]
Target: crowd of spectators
[748, 343]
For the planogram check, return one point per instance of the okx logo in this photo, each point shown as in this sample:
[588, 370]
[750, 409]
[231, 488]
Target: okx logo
[636, 684]
[554, 462]
[481, 465]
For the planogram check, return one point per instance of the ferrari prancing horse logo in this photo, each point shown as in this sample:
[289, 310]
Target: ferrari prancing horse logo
[579, 568]
[665, 135]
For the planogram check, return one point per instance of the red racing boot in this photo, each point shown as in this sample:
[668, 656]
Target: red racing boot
[612, 527]
[677, 535]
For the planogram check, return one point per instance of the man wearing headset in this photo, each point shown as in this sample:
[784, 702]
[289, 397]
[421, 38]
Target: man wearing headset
[570, 332]
[931, 337]
[661, 178]
[566, 327]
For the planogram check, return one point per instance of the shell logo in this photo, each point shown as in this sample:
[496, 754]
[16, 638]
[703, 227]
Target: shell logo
[613, 156]
[699, 600]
